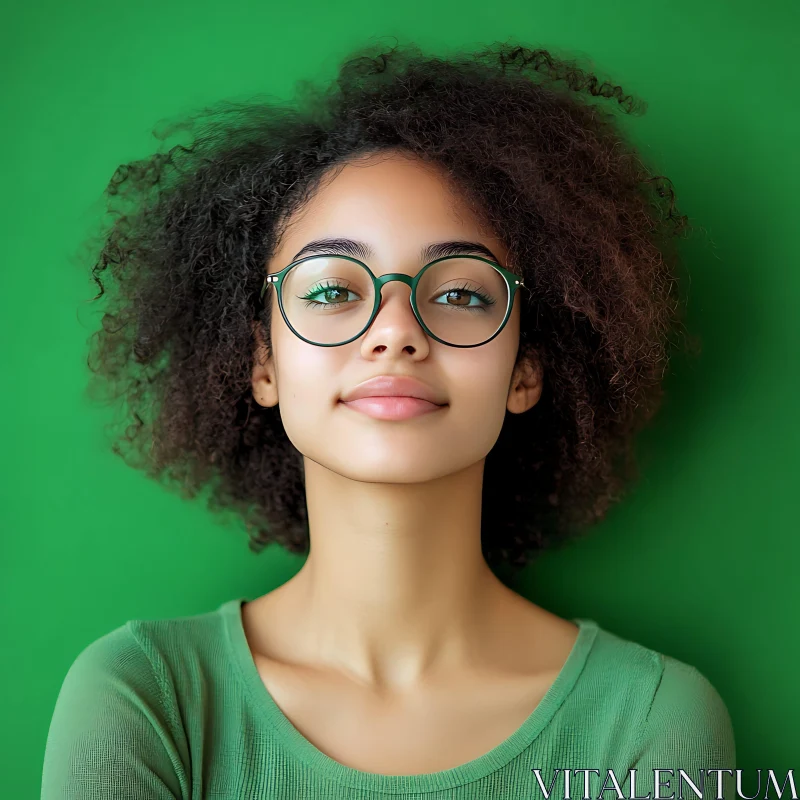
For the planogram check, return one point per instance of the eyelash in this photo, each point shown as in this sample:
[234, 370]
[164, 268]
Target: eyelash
[319, 287]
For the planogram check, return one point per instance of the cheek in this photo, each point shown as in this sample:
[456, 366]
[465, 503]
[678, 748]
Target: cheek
[307, 386]
[483, 380]
[479, 388]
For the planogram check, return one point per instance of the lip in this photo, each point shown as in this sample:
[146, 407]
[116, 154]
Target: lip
[393, 397]
[394, 386]
[392, 408]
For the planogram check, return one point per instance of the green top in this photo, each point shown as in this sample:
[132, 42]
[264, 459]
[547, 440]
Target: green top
[176, 708]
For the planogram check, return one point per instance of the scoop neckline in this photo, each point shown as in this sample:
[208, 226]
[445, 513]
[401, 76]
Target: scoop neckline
[297, 745]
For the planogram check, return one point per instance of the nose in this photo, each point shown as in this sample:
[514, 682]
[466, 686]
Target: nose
[395, 326]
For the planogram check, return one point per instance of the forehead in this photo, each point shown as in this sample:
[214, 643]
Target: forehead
[390, 201]
[397, 181]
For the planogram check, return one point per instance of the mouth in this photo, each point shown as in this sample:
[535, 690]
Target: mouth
[393, 408]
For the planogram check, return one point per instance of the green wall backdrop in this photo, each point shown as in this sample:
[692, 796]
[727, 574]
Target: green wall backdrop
[88, 543]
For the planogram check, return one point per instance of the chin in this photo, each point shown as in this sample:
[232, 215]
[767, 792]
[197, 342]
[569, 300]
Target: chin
[392, 469]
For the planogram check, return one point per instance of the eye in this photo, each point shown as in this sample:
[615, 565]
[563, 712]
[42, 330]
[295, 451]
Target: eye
[333, 294]
[460, 293]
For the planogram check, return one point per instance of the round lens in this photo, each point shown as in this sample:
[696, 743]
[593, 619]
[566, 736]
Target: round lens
[463, 301]
[328, 299]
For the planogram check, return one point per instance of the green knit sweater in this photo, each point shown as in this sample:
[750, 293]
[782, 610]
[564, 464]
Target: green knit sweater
[175, 708]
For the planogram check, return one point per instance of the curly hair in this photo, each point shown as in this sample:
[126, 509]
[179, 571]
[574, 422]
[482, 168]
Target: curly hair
[588, 226]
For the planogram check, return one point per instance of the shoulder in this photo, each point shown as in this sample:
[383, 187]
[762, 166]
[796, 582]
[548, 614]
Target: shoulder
[111, 682]
[687, 731]
[679, 715]
[113, 724]
[148, 652]
[145, 666]
[127, 710]
[665, 685]
[658, 713]
[114, 659]
[688, 717]
[685, 693]
[668, 708]
[177, 647]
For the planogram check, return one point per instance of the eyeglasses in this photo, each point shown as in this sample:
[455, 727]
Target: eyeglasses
[331, 300]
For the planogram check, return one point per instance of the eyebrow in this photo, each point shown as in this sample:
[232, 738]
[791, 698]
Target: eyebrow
[361, 250]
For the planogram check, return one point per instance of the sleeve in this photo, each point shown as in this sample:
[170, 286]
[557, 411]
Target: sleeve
[110, 735]
[688, 728]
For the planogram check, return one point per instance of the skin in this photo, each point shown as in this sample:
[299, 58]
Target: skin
[394, 649]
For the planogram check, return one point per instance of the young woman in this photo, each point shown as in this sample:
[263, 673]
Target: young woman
[410, 328]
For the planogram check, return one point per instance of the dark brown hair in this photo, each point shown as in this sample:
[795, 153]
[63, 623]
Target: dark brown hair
[586, 223]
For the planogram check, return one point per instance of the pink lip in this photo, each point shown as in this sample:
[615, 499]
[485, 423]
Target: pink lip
[395, 408]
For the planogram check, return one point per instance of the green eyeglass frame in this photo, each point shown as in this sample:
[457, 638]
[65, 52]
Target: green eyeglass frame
[513, 282]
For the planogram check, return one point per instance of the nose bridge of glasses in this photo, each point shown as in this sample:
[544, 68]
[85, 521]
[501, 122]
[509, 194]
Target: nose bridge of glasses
[382, 280]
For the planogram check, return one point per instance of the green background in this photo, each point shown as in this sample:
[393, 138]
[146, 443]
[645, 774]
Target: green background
[699, 562]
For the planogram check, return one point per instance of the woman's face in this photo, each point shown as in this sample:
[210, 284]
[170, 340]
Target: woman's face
[396, 205]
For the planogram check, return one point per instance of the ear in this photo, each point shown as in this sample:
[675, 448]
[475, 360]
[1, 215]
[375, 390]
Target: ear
[526, 383]
[263, 378]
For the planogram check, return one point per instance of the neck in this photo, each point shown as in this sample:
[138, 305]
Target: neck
[395, 584]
